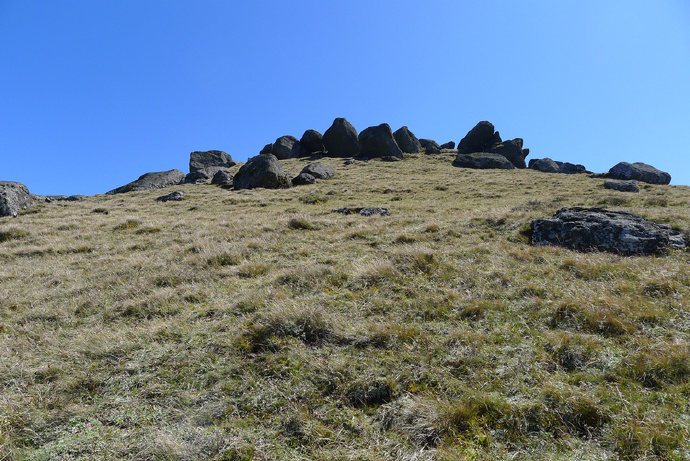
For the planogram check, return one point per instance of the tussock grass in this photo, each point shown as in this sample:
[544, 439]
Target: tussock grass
[260, 325]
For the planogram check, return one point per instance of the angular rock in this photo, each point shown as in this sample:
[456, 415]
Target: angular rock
[378, 141]
[223, 178]
[14, 197]
[341, 139]
[545, 165]
[407, 141]
[432, 149]
[150, 181]
[303, 179]
[623, 186]
[477, 139]
[319, 170]
[76, 198]
[425, 143]
[512, 150]
[268, 148]
[311, 141]
[483, 161]
[176, 196]
[596, 228]
[570, 168]
[201, 160]
[640, 172]
[448, 145]
[262, 171]
[286, 147]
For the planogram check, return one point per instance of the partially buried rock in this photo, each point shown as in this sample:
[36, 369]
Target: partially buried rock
[286, 147]
[432, 149]
[14, 197]
[262, 171]
[599, 229]
[303, 179]
[623, 186]
[150, 181]
[407, 141]
[545, 165]
[378, 141]
[223, 178]
[570, 168]
[341, 139]
[483, 161]
[319, 170]
[176, 196]
[640, 172]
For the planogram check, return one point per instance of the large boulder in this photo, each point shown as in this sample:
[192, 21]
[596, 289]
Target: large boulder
[596, 228]
[286, 147]
[303, 179]
[545, 165]
[448, 145]
[483, 161]
[262, 171]
[150, 181]
[223, 178]
[341, 139]
[14, 197]
[378, 141]
[311, 142]
[570, 168]
[202, 160]
[407, 141]
[512, 150]
[478, 139]
[319, 170]
[640, 172]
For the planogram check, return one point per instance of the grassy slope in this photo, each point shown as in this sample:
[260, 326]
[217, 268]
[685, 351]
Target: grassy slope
[259, 325]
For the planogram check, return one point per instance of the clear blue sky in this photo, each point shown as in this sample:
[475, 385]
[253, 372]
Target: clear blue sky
[94, 93]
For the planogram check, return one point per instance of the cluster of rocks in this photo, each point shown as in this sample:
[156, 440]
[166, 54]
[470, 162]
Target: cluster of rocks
[483, 148]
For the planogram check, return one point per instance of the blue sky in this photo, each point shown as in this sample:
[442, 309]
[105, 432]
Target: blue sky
[94, 93]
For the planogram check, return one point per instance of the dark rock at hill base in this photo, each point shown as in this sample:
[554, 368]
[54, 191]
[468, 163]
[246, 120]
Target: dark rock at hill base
[223, 178]
[149, 181]
[545, 165]
[640, 172]
[477, 139]
[483, 161]
[312, 141]
[623, 186]
[176, 196]
[378, 141]
[319, 170]
[262, 171]
[615, 231]
[341, 139]
[286, 147]
[202, 160]
[407, 141]
[448, 145]
[303, 179]
[14, 197]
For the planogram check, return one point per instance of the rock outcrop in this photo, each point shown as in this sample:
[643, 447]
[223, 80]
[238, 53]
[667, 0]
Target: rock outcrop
[150, 181]
[262, 171]
[640, 172]
[311, 142]
[599, 229]
[407, 141]
[484, 138]
[341, 139]
[14, 197]
[286, 147]
[483, 161]
[378, 141]
[303, 179]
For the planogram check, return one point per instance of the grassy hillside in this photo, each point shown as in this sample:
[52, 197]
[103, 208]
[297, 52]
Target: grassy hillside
[259, 325]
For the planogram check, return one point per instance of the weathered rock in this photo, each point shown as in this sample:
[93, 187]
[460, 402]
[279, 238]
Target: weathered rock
[545, 165]
[640, 172]
[478, 139]
[268, 148]
[312, 141]
[14, 197]
[262, 171]
[303, 179]
[615, 231]
[448, 145]
[202, 160]
[319, 170]
[202, 176]
[378, 141]
[483, 161]
[349, 161]
[571, 168]
[176, 196]
[390, 158]
[512, 150]
[223, 178]
[150, 181]
[407, 141]
[286, 147]
[432, 149]
[425, 143]
[76, 198]
[623, 186]
[364, 211]
[341, 139]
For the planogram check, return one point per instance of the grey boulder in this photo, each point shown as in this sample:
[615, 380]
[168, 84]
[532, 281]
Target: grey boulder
[223, 178]
[263, 171]
[483, 161]
[623, 186]
[150, 181]
[341, 139]
[426, 143]
[512, 150]
[448, 145]
[176, 196]
[621, 232]
[571, 168]
[545, 165]
[319, 170]
[14, 197]
[311, 142]
[407, 141]
[303, 179]
[378, 141]
[286, 147]
[640, 172]
[202, 160]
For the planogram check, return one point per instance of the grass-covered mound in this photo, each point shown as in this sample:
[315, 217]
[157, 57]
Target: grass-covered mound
[257, 324]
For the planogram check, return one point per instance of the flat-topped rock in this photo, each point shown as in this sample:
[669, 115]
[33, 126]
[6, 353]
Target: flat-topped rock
[483, 161]
[640, 172]
[263, 171]
[202, 160]
[151, 181]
